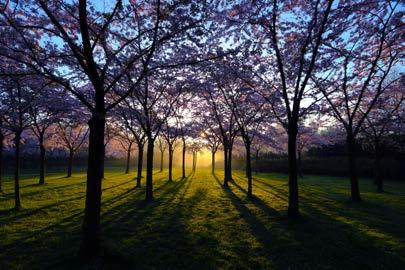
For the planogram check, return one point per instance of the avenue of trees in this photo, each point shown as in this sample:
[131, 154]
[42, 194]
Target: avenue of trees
[188, 76]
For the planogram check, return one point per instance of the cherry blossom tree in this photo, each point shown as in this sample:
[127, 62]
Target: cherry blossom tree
[45, 112]
[358, 72]
[380, 123]
[132, 125]
[213, 142]
[126, 141]
[286, 35]
[183, 112]
[247, 107]
[171, 134]
[17, 96]
[225, 124]
[72, 133]
[151, 105]
[66, 41]
[195, 147]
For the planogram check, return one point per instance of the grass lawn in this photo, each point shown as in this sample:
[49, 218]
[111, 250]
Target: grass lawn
[197, 224]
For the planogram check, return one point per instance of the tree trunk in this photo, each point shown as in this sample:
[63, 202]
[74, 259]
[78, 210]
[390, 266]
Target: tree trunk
[70, 163]
[41, 160]
[230, 178]
[193, 166]
[128, 158]
[17, 141]
[170, 163]
[299, 165]
[183, 166]
[354, 183]
[1, 158]
[161, 161]
[293, 209]
[213, 162]
[248, 169]
[90, 246]
[140, 163]
[226, 178]
[149, 170]
[377, 170]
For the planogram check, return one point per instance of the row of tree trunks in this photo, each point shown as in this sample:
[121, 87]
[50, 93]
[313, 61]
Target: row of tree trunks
[227, 165]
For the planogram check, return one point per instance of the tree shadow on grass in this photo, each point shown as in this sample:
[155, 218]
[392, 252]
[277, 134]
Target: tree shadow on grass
[367, 217]
[337, 243]
[53, 245]
[11, 215]
[135, 233]
[14, 216]
[160, 235]
[155, 235]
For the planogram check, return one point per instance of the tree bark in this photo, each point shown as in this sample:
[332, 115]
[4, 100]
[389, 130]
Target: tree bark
[90, 246]
[213, 162]
[299, 164]
[70, 163]
[41, 160]
[183, 166]
[293, 209]
[128, 158]
[17, 142]
[170, 163]
[149, 170]
[351, 153]
[161, 161]
[140, 163]
[230, 178]
[248, 169]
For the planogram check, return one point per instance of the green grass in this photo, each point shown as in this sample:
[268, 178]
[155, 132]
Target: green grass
[197, 224]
